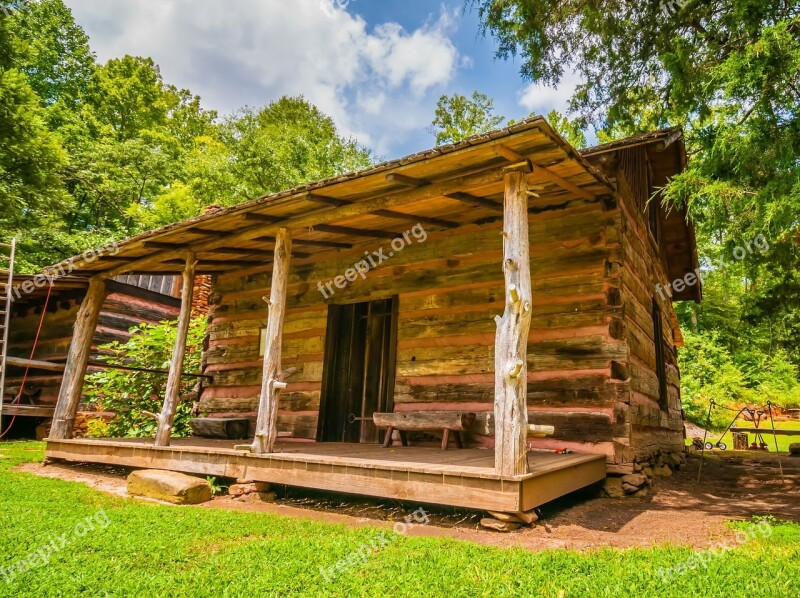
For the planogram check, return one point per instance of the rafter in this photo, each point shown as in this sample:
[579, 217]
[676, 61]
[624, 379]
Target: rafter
[480, 202]
[542, 173]
[314, 218]
[333, 201]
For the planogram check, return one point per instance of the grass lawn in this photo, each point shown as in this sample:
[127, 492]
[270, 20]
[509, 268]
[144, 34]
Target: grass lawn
[152, 550]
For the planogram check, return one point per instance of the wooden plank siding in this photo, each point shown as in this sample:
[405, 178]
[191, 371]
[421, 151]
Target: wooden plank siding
[449, 288]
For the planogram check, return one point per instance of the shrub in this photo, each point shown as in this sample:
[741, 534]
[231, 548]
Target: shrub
[135, 396]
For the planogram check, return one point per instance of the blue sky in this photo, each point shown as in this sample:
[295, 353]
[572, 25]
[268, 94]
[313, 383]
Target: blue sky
[376, 66]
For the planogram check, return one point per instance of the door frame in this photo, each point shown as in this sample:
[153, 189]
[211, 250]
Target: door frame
[389, 374]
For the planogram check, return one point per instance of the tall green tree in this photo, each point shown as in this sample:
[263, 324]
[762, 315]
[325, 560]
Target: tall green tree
[458, 117]
[728, 71]
[30, 155]
[52, 50]
[282, 145]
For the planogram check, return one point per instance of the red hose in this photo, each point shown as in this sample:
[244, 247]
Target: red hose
[28, 367]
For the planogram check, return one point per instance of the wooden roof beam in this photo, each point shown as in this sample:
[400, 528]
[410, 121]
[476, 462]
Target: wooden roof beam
[543, 174]
[473, 200]
[208, 232]
[226, 250]
[307, 243]
[356, 232]
[244, 251]
[332, 201]
[407, 181]
[313, 218]
[202, 262]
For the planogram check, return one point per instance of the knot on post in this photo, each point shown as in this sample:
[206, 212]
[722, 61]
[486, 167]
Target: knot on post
[514, 370]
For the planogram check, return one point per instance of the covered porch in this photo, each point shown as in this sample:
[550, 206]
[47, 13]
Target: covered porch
[476, 197]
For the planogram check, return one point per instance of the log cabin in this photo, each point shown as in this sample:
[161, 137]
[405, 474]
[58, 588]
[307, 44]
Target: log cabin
[40, 331]
[508, 278]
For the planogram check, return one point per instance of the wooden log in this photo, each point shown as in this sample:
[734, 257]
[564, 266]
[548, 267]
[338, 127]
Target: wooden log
[272, 381]
[421, 421]
[173, 391]
[230, 428]
[69, 395]
[741, 441]
[511, 414]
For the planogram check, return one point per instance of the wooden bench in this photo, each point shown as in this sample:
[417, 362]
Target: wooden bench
[425, 421]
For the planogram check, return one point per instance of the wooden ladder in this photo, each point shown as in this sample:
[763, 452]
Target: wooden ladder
[6, 298]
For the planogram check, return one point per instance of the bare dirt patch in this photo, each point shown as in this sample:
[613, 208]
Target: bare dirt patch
[678, 509]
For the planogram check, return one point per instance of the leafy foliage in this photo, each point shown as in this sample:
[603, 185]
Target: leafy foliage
[728, 71]
[458, 117]
[94, 151]
[135, 396]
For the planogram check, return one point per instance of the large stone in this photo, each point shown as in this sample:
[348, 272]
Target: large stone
[169, 486]
[258, 497]
[613, 487]
[663, 470]
[637, 480]
[248, 488]
[522, 517]
[499, 526]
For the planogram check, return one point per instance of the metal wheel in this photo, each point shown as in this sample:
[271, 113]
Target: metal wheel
[709, 446]
[722, 446]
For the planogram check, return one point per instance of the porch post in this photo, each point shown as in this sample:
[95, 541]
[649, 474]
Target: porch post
[80, 349]
[172, 395]
[273, 380]
[511, 344]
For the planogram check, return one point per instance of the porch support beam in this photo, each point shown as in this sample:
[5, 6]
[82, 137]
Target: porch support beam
[511, 344]
[80, 350]
[172, 395]
[273, 380]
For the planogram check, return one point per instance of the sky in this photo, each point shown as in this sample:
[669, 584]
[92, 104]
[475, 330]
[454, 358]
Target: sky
[377, 67]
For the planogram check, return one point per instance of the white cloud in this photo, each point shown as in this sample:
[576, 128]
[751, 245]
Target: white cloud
[541, 99]
[375, 83]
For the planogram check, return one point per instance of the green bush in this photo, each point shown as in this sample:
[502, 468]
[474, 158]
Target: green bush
[133, 396]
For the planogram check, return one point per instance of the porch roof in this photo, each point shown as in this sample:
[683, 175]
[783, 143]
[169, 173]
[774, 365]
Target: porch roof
[445, 187]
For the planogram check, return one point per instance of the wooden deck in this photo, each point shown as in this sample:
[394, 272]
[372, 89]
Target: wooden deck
[462, 478]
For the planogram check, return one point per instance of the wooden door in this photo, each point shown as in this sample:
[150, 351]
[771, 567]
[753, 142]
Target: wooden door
[359, 369]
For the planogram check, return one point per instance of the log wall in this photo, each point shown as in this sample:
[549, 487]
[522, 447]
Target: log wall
[124, 308]
[449, 290]
[656, 424]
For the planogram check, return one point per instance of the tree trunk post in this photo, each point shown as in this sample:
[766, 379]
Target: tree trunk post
[172, 394]
[80, 350]
[511, 344]
[273, 380]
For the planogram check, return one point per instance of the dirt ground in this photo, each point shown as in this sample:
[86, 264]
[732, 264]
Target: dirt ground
[678, 510]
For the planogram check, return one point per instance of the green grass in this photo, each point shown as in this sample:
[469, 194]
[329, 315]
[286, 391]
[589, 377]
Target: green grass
[154, 550]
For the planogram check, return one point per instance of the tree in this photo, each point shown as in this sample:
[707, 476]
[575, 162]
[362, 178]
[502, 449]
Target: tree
[30, 156]
[282, 145]
[52, 51]
[571, 130]
[728, 71]
[458, 117]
